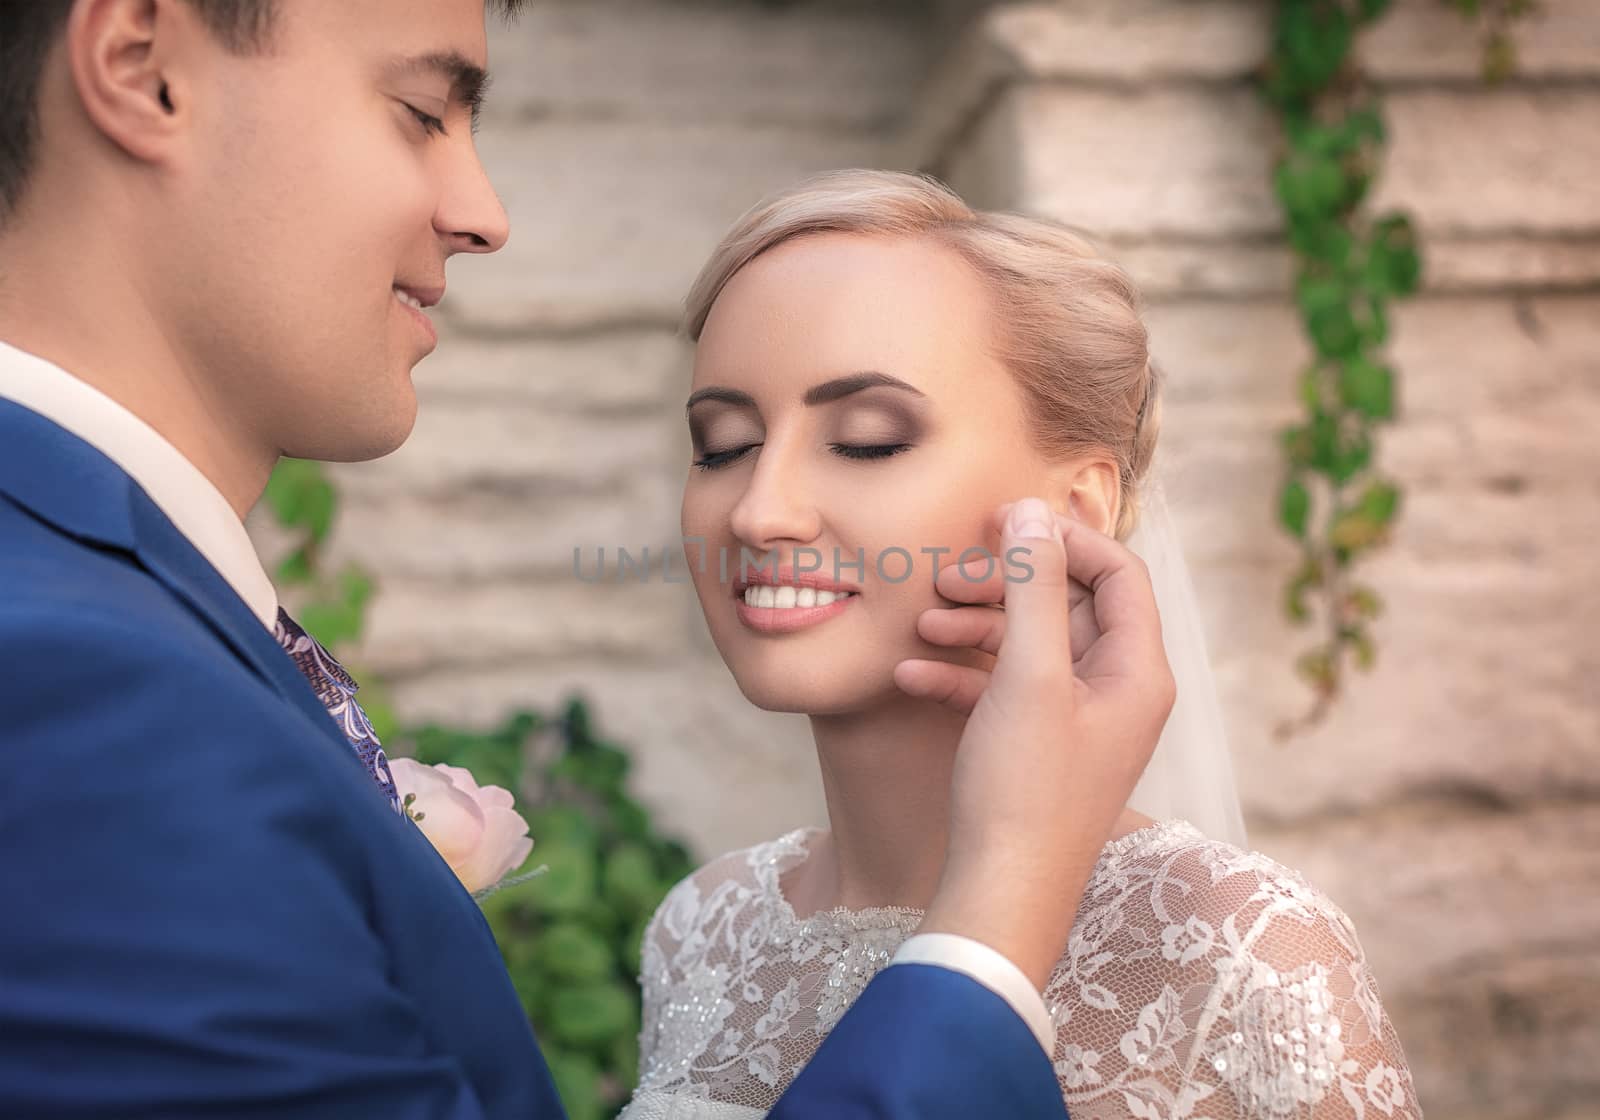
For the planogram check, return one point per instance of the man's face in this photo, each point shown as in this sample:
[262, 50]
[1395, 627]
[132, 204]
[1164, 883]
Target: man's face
[317, 202]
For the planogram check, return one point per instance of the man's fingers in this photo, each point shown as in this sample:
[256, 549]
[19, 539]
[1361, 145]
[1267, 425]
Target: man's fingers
[955, 686]
[976, 581]
[976, 627]
[1129, 652]
[1118, 579]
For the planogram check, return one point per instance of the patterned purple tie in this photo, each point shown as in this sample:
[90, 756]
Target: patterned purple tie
[337, 691]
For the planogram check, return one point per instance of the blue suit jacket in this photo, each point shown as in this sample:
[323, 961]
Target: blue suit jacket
[209, 911]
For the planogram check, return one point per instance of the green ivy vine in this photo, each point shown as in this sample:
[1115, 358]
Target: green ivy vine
[1336, 501]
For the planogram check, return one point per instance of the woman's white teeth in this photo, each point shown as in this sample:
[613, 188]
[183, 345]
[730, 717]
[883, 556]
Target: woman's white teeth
[783, 597]
[408, 299]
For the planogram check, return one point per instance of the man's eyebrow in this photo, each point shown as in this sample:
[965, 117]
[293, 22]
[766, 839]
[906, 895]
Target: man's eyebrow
[818, 394]
[468, 81]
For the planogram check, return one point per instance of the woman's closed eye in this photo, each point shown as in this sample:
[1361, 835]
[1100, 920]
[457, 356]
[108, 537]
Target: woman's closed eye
[868, 450]
[711, 460]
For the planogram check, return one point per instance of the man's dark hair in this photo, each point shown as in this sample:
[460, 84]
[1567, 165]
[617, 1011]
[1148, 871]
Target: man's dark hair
[29, 29]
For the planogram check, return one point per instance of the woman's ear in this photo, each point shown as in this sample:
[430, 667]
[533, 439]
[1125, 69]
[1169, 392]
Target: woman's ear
[1086, 490]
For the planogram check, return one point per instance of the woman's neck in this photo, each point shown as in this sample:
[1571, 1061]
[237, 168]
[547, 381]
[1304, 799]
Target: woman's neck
[886, 777]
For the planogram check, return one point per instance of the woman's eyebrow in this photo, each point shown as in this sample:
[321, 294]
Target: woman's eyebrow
[818, 394]
[854, 383]
[718, 393]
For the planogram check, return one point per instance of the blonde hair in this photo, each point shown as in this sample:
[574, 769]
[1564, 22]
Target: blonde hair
[1070, 330]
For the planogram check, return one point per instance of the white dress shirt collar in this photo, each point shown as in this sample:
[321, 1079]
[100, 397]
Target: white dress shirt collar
[188, 498]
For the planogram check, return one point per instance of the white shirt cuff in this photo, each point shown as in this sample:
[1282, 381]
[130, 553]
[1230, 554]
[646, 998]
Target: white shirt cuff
[989, 968]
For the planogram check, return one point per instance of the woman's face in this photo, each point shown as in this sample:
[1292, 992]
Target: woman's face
[847, 417]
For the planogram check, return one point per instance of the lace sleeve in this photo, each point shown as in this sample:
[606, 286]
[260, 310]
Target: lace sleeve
[1202, 981]
[1296, 1026]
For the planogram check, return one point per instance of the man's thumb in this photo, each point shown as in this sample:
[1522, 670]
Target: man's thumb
[1038, 624]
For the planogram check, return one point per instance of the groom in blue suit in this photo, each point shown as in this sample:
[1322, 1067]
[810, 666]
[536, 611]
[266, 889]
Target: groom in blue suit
[217, 221]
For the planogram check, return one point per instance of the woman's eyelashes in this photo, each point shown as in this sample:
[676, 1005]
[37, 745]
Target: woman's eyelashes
[711, 460]
[869, 450]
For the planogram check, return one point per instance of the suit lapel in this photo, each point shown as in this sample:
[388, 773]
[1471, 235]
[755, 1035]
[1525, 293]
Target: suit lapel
[69, 484]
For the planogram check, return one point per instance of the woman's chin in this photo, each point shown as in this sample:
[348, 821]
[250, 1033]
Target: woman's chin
[811, 695]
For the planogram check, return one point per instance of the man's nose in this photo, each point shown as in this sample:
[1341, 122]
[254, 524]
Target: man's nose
[470, 218]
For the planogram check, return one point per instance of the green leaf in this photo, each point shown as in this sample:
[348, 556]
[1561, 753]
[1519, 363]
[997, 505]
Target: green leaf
[1294, 603]
[1393, 264]
[1326, 242]
[1333, 331]
[589, 1015]
[1368, 388]
[356, 586]
[1365, 125]
[574, 953]
[295, 568]
[287, 488]
[630, 819]
[632, 947]
[563, 824]
[1294, 506]
[569, 885]
[576, 719]
[1354, 530]
[374, 700]
[1380, 502]
[1363, 602]
[600, 768]
[1298, 445]
[332, 624]
[317, 504]
[1311, 187]
[1311, 40]
[1499, 57]
[623, 1058]
[1316, 668]
[577, 1078]
[1322, 444]
[1350, 456]
[1372, 9]
[1360, 643]
[630, 881]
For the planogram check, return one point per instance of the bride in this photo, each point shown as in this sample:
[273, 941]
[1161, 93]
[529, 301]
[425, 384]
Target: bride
[878, 367]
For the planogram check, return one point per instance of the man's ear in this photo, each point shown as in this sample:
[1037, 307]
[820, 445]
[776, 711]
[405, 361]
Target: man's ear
[1087, 490]
[124, 57]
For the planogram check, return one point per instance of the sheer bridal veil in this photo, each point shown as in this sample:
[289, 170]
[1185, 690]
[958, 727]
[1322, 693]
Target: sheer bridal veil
[1190, 776]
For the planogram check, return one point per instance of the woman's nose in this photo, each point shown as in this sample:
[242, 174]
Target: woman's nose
[776, 507]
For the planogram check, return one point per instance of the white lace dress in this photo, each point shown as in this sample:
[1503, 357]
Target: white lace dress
[1200, 981]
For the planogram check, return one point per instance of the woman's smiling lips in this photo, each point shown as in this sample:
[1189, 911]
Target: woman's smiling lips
[783, 601]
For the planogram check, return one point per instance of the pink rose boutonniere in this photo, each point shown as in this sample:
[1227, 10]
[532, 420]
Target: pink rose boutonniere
[474, 828]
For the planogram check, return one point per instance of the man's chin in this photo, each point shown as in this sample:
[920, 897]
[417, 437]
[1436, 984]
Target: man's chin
[369, 436]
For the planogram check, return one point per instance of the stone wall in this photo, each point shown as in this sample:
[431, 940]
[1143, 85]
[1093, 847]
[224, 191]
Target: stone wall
[1452, 803]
